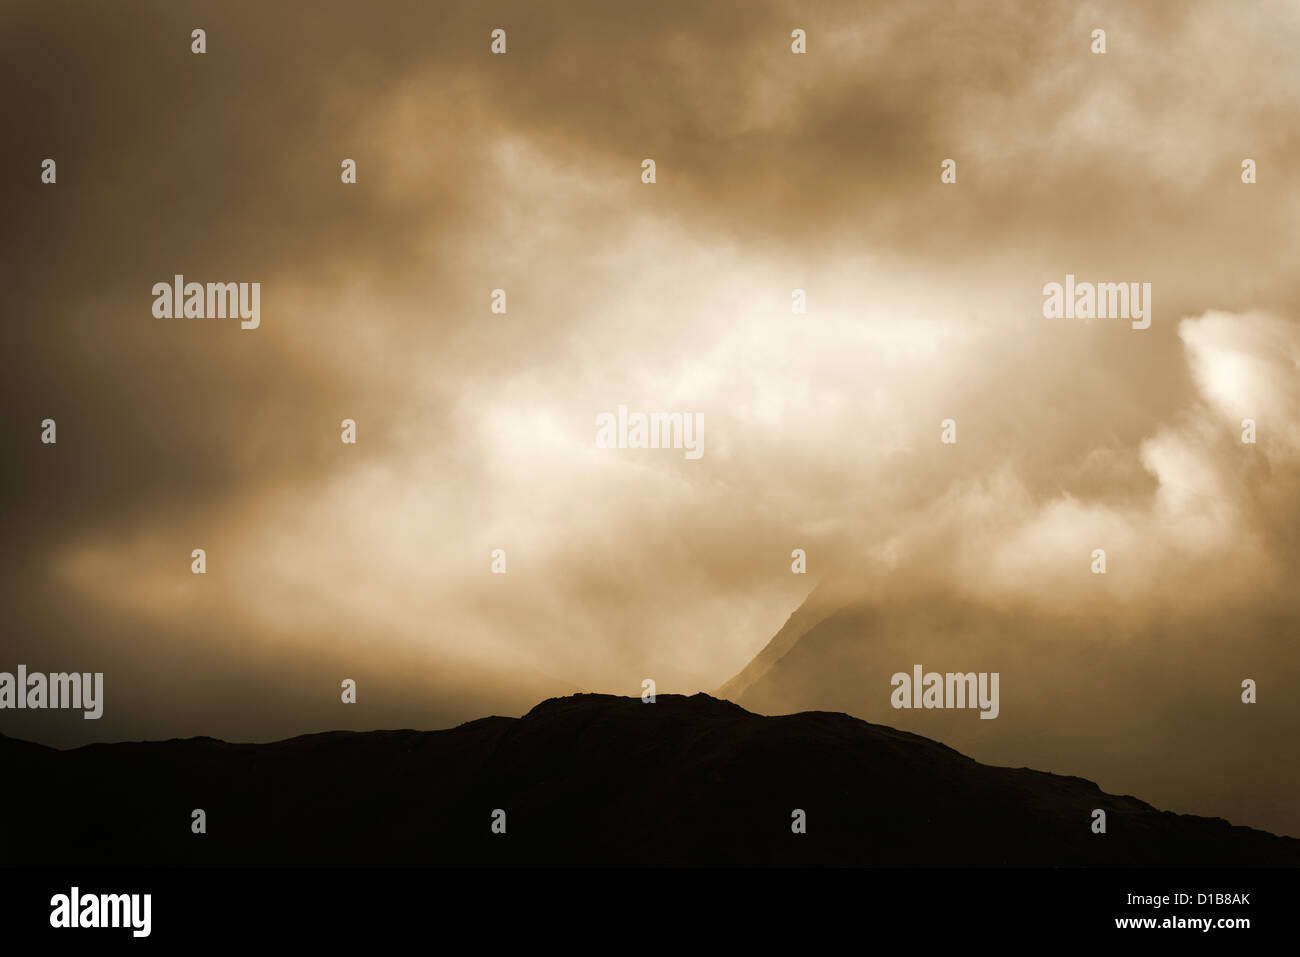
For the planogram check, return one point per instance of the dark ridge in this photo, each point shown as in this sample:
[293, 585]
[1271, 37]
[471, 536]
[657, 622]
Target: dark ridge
[589, 780]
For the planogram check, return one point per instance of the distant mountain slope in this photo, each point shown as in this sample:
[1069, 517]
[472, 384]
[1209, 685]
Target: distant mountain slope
[822, 602]
[588, 779]
[1092, 692]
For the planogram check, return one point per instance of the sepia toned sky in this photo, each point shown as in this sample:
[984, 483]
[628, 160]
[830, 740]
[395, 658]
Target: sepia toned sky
[476, 431]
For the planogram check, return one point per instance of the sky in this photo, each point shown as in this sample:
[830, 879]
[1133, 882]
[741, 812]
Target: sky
[476, 431]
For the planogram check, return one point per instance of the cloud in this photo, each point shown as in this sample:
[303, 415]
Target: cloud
[1211, 524]
[521, 172]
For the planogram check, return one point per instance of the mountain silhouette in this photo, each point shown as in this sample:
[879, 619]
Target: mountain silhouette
[588, 780]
